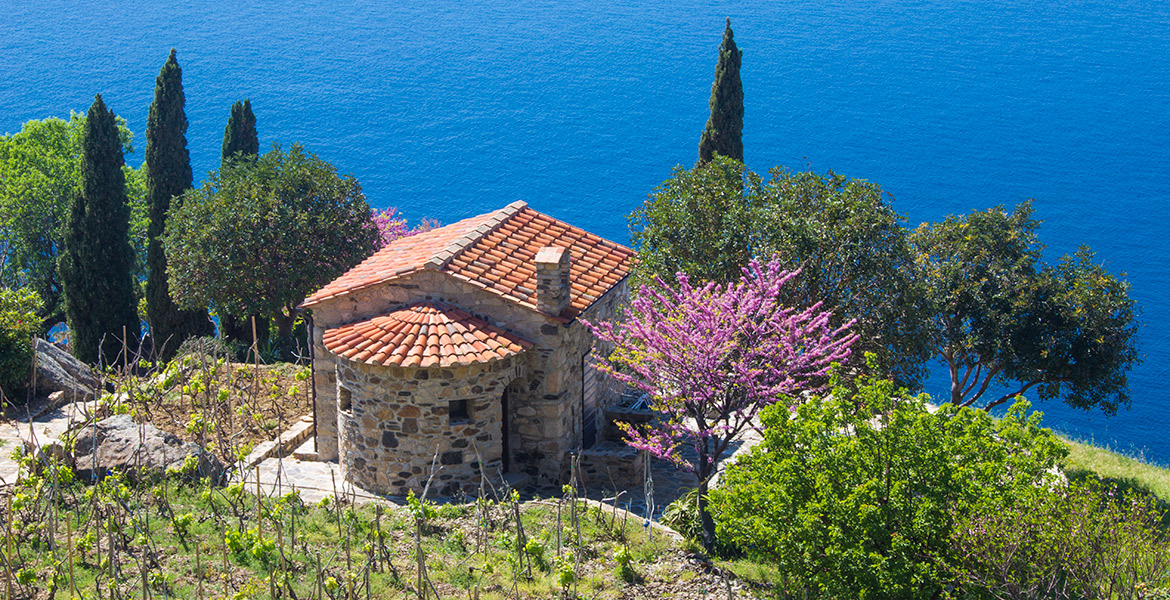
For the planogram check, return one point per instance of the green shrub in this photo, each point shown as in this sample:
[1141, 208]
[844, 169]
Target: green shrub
[682, 515]
[856, 495]
[18, 324]
[1084, 540]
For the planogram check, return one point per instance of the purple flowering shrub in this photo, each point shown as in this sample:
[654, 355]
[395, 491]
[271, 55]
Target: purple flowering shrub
[711, 356]
[390, 225]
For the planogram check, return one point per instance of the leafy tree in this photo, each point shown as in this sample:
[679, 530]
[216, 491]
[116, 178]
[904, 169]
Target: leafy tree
[999, 316]
[700, 221]
[711, 357]
[257, 238]
[724, 132]
[97, 260]
[854, 255]
[40, 173]
[856, 494]
[168, 175]
[239, 136]
[241, 142]
[850, 245]
[18, 325]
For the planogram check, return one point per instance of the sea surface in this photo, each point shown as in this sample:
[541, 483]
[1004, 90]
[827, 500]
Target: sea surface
[449, 109]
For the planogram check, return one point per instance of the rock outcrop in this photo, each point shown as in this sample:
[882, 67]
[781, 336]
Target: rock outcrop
[59, 371]
[141, 449]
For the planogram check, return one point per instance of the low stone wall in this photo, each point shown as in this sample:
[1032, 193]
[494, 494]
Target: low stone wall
[613, 465]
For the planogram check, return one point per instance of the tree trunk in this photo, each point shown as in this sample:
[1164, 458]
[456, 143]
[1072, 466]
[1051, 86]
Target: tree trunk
[708, 524]
[240, 330]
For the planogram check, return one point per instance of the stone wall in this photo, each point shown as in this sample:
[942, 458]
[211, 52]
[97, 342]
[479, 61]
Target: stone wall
[545, 394]
[394, 422]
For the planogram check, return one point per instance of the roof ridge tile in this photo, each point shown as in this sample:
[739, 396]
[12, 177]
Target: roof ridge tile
[440, 259]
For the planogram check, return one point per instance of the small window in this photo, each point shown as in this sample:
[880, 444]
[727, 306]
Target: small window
[343, 399]
[457, 410]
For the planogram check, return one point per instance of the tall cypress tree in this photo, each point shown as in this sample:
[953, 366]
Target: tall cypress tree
[96, 258]
[724, 131]
[168, 175]
[239, 137]
[241, 142]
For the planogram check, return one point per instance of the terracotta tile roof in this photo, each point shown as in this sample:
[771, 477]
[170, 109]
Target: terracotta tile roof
[407, 255]
[496, 251]
[428, 334]
[504, 260]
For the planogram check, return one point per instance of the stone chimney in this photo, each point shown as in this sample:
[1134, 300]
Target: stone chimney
[552, 280]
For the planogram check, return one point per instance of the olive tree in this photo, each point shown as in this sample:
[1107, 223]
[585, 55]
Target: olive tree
[1004, 322]
[257, 238]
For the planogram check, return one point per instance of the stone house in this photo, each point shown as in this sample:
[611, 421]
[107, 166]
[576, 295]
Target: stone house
[465, 343]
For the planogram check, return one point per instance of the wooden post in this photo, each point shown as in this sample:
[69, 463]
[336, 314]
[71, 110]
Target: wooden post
[256, 361]
[259, 515]
[198, 571]
[319, 576]
[377, 535]
[223, 540]
[69, 551]
[336, 501]
[8, 551]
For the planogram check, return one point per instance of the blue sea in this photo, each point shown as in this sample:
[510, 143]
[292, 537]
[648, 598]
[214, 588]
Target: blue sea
[450, 109]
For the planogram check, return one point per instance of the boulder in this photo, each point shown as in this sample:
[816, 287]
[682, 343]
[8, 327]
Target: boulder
[59, 371]
[140, 449]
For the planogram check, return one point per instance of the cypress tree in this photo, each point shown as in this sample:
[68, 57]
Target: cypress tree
[241, 142]
[724, 131]
[168, 175]
[239, 137]
[96, 258]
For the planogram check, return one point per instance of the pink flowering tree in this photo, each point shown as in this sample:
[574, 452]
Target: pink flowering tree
[711, 357]
[390, 225]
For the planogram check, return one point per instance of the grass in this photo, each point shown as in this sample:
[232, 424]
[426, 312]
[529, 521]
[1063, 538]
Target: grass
[1127, 473]
[161, 529]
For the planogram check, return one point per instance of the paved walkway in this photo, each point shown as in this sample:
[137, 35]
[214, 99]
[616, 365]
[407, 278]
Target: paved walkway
[315, 480]
[45, 426]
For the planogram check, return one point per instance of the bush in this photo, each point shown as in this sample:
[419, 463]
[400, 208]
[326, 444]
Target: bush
[18, 324]
[1084, 540]
[856, 495]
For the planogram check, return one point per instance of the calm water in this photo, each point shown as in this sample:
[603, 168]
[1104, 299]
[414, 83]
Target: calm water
[448, 109]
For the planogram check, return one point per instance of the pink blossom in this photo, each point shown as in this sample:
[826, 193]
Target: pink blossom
[712, 356]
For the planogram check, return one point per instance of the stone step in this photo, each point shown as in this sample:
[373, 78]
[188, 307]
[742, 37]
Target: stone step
[284, 444]
[306, 451]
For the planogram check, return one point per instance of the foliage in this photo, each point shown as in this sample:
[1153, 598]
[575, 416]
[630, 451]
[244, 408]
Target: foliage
[1084, 541]
[854, 255]
[1000, 316]
[700, 221]
[391, 226]
[240, 140]
[257, 238]
[850, 245]
[712, 356]
[856, 494]
[168, 175]
[40, 173]
[723, 134]
[97, 261]
[18, 325]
